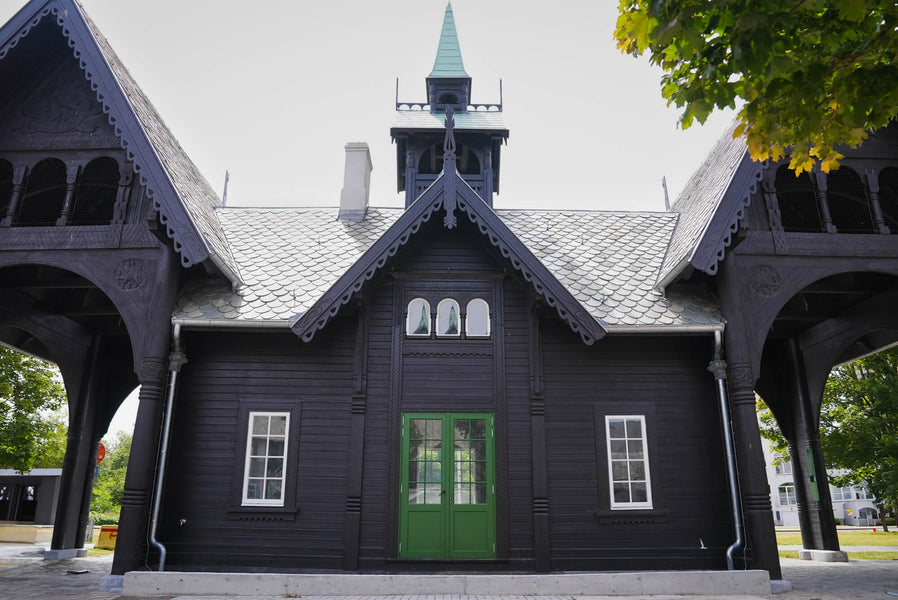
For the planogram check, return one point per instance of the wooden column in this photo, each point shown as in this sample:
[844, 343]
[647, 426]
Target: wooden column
[133, 519]
[756, 508]
[815, 513]
[80, 456]
[352, 524]
[538, 444]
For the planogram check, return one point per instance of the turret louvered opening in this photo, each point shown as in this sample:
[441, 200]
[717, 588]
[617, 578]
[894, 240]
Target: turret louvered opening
[849, 204]
[888, 197]
[44, 195]
[95, 199]
[5, 186]
[431, 162]
[799, 210]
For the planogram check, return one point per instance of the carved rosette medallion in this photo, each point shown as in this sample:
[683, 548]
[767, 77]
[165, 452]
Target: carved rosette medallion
[741, 374]
[765, 281]
[130, 274]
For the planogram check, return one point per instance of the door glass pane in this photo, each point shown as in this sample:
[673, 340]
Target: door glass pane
[470, 461]
[424, 461]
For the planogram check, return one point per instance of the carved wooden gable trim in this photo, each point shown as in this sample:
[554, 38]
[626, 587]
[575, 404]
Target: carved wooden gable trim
[466, 200]
[194, 230]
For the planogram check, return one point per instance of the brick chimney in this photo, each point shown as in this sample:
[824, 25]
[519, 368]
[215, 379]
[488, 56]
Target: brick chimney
[356, 182]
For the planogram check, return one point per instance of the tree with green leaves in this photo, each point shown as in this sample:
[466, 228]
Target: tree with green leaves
[109, 486]
[30, 392]
[858, 426]
[807, 75]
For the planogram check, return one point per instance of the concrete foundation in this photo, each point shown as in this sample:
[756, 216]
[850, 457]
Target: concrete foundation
[823, 555]
[26, 534]
[65, 553]
[143, 584]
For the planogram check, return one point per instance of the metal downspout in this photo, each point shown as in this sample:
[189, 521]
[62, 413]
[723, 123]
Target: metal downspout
[175, 360]
[718, 367]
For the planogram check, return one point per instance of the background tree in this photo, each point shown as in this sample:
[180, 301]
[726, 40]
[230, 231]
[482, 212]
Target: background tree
[858, 426]
[809, 74]
[109, 485]
[30, 391]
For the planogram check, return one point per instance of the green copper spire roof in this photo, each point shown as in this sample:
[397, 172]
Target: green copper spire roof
[448, 63]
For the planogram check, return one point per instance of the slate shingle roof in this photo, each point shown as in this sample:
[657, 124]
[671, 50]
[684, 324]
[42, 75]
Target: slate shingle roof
[289, 257]
[699, 200]
[197, 196]
[474, 120]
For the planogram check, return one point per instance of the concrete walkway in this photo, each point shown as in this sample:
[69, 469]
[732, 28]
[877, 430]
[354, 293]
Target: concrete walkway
[24, 575]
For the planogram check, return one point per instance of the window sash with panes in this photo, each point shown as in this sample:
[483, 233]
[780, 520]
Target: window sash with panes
[266, 455]
[628, 462]
[787, 494]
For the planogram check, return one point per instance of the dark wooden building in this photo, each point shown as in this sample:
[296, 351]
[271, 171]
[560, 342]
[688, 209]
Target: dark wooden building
[444, 386]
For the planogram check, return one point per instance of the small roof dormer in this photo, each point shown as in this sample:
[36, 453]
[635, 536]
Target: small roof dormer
[448, 82]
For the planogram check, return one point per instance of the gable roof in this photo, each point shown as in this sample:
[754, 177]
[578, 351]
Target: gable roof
[706, 223]
[291, 257]
[183, 198]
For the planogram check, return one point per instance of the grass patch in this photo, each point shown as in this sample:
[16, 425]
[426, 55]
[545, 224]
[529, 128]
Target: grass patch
[848, 538]
[96, 552]
[788, 553]
[873, 555]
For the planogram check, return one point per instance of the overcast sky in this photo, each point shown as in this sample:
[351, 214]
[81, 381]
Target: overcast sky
[271, 91]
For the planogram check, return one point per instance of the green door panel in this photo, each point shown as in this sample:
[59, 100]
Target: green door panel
[447, 486]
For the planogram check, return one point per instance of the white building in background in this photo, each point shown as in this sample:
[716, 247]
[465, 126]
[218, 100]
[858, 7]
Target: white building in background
[851, 505]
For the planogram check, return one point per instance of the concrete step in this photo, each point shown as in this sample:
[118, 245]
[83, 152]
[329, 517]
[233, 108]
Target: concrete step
[145, 584]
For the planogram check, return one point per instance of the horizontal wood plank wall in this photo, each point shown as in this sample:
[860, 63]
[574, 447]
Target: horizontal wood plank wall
[228, 373]
[691, 507]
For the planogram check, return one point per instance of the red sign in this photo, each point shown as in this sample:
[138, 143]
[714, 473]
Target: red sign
[101, 453]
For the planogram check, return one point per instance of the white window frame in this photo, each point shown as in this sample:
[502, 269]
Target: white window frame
[443, 310]
[411, 319]
[784, 468]
[787, 490]
[615, 505]
[245, 501]
[486, 306]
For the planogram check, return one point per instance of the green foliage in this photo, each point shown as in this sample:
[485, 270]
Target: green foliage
[859, 423]
[809, 75]
[51, 449]
[30, 389]
[110, 482]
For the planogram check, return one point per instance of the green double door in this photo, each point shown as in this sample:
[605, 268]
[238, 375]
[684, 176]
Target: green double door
[447, 489]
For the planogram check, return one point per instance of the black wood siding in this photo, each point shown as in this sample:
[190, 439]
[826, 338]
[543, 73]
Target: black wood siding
[229, 374]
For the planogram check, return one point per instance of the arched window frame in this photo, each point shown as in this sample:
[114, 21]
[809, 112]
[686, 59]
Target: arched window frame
[415, 317]
[444, 318]
[475, 303]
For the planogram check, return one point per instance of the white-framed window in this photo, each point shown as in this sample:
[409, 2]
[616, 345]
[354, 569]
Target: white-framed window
[863, 494]
[417, 321]
[477, 318]
[841, 493]
[628, 462]
[784, 468]
[787, 494]
[266, 457]
[448, 320]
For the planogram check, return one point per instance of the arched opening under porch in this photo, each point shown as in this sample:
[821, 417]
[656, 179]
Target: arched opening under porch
[831, 321]
[64, 318]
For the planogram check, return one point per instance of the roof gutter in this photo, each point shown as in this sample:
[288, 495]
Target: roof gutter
[673, 329]
[230, 324]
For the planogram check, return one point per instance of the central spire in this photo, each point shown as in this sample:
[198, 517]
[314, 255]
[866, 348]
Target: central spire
[448, 82]
[448, 62]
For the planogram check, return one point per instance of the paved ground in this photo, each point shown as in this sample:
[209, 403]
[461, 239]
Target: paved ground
[24, 575]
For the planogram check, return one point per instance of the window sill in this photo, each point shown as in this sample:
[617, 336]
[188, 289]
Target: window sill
[262, 513]
[646, 516]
